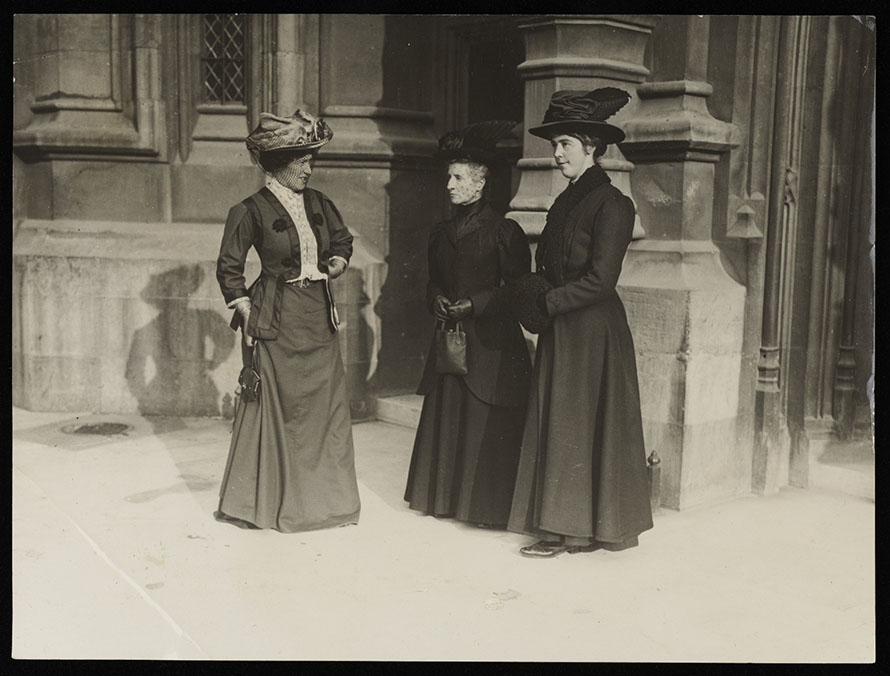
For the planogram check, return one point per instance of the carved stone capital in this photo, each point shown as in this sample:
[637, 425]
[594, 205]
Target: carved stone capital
[673, 124]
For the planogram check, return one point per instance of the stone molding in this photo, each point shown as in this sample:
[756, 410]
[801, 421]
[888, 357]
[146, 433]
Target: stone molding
[674, 125]
[378, 112]
[576, 66]
[127, 121]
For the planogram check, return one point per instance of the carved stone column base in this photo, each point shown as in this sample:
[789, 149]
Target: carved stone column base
[686, 316]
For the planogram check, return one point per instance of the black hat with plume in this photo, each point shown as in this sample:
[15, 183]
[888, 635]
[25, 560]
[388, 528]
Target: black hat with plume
[585, 112]
[475, 142]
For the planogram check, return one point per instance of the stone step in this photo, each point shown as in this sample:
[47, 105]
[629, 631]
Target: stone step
[402, 409]
[846, 467]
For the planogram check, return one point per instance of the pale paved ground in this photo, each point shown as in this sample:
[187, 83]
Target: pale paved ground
[116, 555]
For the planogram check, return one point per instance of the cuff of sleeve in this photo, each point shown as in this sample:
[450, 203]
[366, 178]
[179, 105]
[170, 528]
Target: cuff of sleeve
[345, 262]
[479, 301]
[233, 303]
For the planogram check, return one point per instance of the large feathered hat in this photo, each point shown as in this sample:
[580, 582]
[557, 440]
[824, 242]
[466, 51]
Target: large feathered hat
[476, 142]
[524, 293]
[576, 111]
[299, 132]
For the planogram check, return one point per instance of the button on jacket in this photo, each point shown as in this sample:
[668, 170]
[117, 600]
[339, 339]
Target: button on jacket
[262, 221]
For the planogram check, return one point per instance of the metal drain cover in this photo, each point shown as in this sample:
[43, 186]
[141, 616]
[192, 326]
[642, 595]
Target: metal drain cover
[100, 428]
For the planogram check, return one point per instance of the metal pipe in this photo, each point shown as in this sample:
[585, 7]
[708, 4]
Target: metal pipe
[768, 368]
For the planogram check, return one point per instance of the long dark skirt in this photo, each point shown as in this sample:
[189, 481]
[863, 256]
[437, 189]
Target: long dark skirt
[291, 461]
[465, 455]
[582, 470]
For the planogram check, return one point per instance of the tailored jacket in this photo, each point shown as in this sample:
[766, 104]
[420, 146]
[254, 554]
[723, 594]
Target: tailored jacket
[596, 235]
[261, 221]
[488, 252]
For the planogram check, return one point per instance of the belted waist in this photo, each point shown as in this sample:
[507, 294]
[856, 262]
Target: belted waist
[303, 283]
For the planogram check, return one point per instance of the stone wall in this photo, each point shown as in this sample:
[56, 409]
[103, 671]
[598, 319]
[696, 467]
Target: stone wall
[123, 179]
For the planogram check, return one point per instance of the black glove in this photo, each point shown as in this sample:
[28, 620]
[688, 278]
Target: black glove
[460, 309]
[439, 307]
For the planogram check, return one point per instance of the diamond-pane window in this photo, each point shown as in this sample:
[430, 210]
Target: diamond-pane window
[222, 58]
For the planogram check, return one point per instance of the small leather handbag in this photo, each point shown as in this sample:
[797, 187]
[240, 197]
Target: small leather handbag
[451, 349]
[249, 378]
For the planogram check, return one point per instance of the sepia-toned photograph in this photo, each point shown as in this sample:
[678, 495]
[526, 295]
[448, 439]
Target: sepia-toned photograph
[530, 338]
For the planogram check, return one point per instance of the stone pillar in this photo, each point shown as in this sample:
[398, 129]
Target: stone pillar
[374, 90]
[573, 52]
[686, 313]
[96, 96]
[860, 217]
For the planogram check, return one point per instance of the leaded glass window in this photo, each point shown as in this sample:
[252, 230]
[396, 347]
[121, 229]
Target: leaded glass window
[222, 57]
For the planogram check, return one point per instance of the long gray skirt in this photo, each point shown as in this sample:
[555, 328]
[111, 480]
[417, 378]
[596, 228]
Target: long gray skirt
[291, 461]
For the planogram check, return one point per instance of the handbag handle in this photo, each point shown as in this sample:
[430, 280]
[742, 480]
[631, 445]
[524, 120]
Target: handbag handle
[458, 326]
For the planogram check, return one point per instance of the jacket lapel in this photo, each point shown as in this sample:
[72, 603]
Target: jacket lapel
[283, 214]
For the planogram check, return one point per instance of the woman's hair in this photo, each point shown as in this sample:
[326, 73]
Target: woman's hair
[478, 171]
[599, 148]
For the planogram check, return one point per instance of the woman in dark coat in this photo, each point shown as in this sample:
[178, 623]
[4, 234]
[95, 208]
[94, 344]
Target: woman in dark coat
[467, 444]
[582, 481]
[291, 461]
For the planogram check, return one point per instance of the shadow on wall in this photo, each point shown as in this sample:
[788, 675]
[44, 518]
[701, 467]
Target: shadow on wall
[171, 357]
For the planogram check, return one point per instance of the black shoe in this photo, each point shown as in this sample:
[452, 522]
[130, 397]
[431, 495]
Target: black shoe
[580, 549]
[543, 549]
[608, 546]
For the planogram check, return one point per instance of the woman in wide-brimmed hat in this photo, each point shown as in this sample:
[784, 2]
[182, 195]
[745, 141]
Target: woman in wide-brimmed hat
[464, 460]
[291, 460]
[582, 481]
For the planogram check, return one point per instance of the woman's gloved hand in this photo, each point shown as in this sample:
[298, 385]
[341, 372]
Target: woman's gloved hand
[243, 308]
[439, 307]
[336, 267]
[460, 309]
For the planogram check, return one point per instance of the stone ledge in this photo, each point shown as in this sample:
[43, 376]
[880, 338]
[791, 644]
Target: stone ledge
[401, 410]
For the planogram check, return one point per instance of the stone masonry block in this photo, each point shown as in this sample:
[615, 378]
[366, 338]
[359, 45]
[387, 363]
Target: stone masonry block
[717, 320]
[716, 465]
[205, 193]
[712, 387]
[656, 318]
[91, 190]
[61, 383]
[87, 73]
[662, 383]
[80, 32]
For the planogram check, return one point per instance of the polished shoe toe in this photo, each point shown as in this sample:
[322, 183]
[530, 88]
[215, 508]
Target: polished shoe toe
[543, 549]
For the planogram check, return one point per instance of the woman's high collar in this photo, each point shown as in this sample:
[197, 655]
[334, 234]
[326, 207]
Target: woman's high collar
[464, 210]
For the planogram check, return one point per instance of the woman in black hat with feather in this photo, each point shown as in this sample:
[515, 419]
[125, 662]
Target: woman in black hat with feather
[464, 460]
[582, 482]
